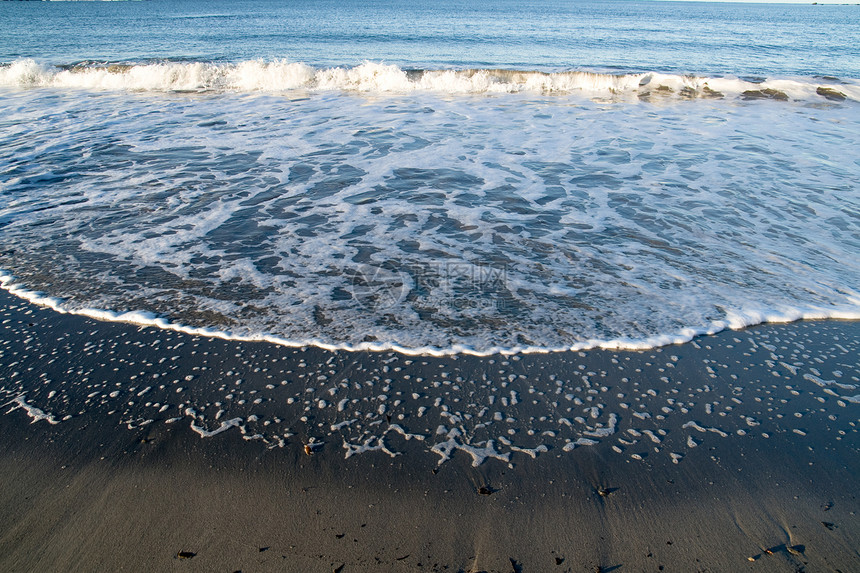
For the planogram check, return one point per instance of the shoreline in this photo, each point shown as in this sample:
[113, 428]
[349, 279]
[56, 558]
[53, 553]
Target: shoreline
[734, 322]
[104, 488]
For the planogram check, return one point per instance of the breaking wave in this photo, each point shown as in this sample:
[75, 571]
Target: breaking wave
[370, 77]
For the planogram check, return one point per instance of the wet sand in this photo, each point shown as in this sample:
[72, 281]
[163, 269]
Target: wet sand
[120, 452]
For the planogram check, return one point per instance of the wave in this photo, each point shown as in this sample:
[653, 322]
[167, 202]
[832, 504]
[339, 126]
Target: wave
[370, 77]
[735, 320]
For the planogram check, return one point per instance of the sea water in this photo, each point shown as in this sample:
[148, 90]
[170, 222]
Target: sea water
[433, 177]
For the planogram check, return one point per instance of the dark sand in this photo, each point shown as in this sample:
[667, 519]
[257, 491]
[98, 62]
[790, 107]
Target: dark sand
[767, 471]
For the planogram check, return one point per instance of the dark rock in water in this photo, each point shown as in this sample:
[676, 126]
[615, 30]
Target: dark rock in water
[831, 94]
[118, 68]
[486, 490]
[414, 75]
[689, 92]
[708, 92]
[658, 91]
[767, 93]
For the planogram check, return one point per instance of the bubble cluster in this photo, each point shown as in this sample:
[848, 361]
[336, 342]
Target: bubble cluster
[641, 405]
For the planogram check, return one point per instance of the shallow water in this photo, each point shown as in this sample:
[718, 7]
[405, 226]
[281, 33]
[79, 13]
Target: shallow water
[246, 172]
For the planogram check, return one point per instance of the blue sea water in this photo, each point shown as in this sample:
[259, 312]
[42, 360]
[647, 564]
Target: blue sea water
[547, 35]
[434, 177]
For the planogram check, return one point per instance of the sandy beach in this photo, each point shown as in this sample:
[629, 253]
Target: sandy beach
[708, 456]
[453, 287]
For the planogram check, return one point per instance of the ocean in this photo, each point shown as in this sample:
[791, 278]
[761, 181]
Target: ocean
[432, 178]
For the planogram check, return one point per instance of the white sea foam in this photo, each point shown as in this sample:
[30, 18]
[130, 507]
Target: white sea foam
[142, 318]
[479, 453]
[580, 442]
[427, 224]
[374, 77]
[604, 432]
[226, 425]
[33, 412]
[824, 383]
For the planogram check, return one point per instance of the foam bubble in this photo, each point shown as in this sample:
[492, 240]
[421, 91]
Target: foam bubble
[33, 412]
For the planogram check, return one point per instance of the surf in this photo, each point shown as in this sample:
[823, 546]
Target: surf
[280, 76]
